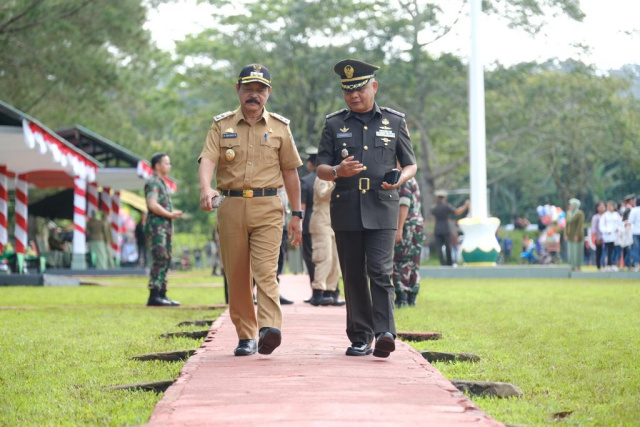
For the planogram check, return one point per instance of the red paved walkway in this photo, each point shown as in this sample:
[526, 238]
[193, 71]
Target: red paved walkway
[308, 380]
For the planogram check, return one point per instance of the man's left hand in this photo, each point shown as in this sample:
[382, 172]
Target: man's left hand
[387, 186]
[295, 230]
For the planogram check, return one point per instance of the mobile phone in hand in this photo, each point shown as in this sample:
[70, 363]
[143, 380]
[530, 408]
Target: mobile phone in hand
[392, 177]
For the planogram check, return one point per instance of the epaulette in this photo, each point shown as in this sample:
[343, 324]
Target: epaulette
[279, 117]
[335, 113]
[222, 116]
[392, 111]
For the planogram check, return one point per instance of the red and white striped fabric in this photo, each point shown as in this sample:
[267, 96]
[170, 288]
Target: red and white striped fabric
[92, 199]
[22, 213]
[79, 215]
[61, 153]
[144, 170]
[4, 207]
[115, 226]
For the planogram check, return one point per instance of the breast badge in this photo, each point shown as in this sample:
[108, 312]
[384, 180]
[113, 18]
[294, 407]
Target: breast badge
[344, 152]
[230, 155]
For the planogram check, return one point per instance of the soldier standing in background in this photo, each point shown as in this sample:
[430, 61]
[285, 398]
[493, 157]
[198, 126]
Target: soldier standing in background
[306, 198]
[159, 229]
[358, 147]
[409, 239]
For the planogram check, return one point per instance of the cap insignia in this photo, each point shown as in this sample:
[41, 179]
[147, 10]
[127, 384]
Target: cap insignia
[385, 121]
[344, 129]
[348, 71]
[257, 67]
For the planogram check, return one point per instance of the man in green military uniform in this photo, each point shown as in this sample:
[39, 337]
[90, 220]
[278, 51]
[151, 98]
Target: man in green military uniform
[359, 145]
[159, 229]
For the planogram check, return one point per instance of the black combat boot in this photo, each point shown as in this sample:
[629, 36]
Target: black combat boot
[155, 300]
[318, 298]
[401, 299]
[163, 295]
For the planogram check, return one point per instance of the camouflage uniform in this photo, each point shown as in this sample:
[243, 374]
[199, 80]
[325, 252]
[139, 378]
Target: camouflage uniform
[406, 259]
[158, 231]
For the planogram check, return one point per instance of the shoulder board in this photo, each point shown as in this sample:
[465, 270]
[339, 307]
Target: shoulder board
[279, 117]
[335, 113]
[222, 116]
[392, 111]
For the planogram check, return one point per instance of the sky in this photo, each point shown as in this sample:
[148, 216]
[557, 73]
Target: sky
[611, 29]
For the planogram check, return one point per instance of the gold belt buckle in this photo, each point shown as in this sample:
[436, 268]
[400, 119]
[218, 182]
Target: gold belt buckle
[247, 193]
[365, 187]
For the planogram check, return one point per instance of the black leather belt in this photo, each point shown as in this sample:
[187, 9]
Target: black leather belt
[250, 193]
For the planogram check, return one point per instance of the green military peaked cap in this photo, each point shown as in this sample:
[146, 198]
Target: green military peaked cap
[354, 74]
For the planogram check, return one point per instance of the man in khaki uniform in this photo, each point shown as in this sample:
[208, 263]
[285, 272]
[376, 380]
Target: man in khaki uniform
[324, 250]
[255, 154]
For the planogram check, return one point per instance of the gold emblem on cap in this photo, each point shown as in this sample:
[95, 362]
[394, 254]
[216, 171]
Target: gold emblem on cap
[348, 71]
[230, 130]
[344, 129]
[257, 67]
[385, 121]
[230, 154]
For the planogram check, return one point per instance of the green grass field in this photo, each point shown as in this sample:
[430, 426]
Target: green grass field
[570, 345]
[66, 345]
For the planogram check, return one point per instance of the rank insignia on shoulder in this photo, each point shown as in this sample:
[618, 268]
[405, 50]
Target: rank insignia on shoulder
[392, 111]
[222, 116]
[335, 113]
[279, 117]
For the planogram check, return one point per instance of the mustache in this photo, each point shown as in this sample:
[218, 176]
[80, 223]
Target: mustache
[252, 101]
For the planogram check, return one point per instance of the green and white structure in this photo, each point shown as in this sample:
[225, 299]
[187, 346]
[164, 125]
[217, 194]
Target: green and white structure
[479, 247]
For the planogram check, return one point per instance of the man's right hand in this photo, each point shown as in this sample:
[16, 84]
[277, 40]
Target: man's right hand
[205, 198]
[349, 167]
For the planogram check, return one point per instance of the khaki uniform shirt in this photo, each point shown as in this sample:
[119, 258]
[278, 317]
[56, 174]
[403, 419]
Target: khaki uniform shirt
[250, 156]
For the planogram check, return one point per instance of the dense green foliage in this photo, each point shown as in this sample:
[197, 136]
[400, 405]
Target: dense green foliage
[554, 130]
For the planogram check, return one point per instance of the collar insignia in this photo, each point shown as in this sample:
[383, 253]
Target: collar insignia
[385, 121]
[344, 129]
[348, 71]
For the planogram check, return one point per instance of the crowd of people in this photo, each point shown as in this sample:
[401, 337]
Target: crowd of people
[610, 240]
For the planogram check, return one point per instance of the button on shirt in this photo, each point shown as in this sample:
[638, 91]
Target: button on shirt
[260, 151]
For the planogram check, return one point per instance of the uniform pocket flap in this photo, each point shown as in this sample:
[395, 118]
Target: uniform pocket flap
[389, 195]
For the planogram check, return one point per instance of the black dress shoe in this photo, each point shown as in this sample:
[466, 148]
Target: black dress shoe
[359, 349]
[270, 339]
[385, 344]
[284, 301]
[245, 348]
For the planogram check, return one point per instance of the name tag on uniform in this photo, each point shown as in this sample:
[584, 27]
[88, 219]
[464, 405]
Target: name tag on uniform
[344, 135]
[229, 135]
[385, 134]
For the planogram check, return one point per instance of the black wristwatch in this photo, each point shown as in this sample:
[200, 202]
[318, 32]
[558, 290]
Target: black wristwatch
[299, 214]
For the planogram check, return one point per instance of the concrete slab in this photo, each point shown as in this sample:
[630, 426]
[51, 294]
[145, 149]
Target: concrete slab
[37, 280]
[497, 272]
[309, 380]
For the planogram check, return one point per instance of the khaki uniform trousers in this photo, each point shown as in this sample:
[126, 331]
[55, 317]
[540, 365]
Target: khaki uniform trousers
[325, 258]
[250, 237]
